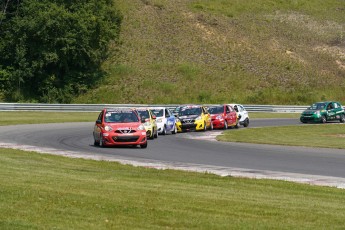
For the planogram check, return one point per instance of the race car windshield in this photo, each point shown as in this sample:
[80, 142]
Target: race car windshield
[317, 106]
[144, 114]
[189, 111]
[120, 117]
[158, 112]
[216, 109]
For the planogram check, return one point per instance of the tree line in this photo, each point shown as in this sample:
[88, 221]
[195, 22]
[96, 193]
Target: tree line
[52, 50]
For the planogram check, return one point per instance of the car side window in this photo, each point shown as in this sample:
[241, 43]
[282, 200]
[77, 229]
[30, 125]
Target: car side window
[336, 105]
[167, 113]
[100, 116]
[329, 106]
[227, 109]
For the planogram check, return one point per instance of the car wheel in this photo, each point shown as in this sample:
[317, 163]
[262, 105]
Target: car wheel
[323, 119]
[211, 126]
[96, 143]
[155, 133]
[152, 135]
[205, 128]
[175, 130]
[144, 146]
[164, 131]
[236, 126]
[342, 118]
[101, 144]
[225, 124]
[246, 123]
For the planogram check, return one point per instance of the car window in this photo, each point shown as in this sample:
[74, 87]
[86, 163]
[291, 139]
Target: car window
[167, 113]
[158, 112]
[236, 108]
[119, 116]
[227, 109]
[335, 105]
[216, 109]
[100, 116]
[143, 114]
[185, 111]
[330, 106]
[317, 106]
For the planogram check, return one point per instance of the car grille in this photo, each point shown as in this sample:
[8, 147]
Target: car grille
[122, 131]
[187, 121]
[126, 138]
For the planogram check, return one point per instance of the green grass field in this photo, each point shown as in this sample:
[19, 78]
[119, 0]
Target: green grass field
[50, 192]
[311, 135]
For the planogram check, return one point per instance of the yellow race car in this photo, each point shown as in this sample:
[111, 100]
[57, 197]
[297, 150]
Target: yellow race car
[193, 118]
[148, 119]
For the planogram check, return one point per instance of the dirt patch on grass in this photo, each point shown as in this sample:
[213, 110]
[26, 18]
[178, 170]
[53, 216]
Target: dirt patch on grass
[335, 135]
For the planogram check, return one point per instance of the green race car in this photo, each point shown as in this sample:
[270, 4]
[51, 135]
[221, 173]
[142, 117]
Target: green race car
[322, 112]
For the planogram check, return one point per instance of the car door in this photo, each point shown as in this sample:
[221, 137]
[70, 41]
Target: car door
[98, 126]
[337, 110]
[170, 120]
[330, 111]
[207, 116]
[233, 115]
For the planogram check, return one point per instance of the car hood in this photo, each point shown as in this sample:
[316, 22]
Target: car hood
[131, 125]
[213, 116]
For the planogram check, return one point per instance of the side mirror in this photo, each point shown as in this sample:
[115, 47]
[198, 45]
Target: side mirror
[98, 122]
[154, 117]
[239, 116]
[143, 120]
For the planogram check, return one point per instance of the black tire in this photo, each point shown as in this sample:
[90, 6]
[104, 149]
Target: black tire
[101, 144]
[323, 120]
[164, 132]
[144, 146]
[175, 130]
[342, 118]
[225, 124]
[95, 143]
[155, 134]
[246, 122]
[205, 128]
[211, 126]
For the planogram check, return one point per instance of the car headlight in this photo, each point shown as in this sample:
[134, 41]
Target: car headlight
[198, 118]
[108, 128]
[141, 127]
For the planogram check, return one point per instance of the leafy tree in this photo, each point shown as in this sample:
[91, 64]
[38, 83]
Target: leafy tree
[51, 50]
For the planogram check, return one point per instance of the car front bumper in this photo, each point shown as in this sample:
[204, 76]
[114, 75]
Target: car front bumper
[112, 139]
[184, 127]
[310, 118]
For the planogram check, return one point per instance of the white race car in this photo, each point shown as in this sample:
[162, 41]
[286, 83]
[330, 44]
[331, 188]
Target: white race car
[242, 114]
[166, 121]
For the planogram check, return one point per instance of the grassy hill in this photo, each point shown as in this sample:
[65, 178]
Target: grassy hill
[201, 51]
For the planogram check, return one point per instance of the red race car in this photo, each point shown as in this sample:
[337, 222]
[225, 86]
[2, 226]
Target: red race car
[119, 126]
[223, 116]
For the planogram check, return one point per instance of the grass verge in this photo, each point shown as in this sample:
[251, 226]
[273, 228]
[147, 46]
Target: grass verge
[310, 135]
[25, 117]
[51, 192]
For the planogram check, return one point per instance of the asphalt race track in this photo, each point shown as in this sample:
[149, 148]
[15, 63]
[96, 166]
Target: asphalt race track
[197, 151]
